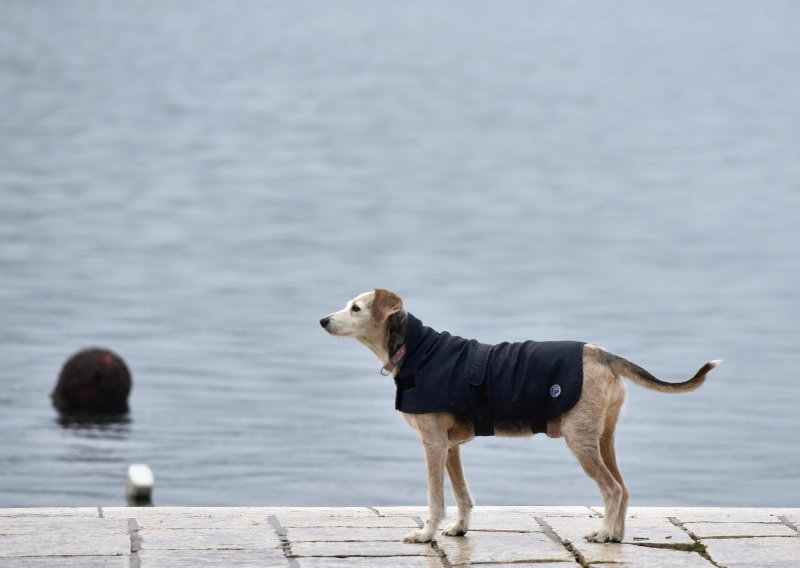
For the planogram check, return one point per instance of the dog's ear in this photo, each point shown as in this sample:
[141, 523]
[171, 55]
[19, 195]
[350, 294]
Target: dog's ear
[384, 304]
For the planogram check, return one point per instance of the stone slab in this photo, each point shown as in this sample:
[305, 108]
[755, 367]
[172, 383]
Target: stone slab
[209, 539]
[191, 517]
[728, 530]
[767, 552]
[489, 518]
[638, 556]
[40, 524]
[421, 512]
[637, 531]
[208, 511]
[343, 534]
[329, 512]
[212, 558]
[692, 514]
[499, 520]
[359, 536]
[562, 564]
[358, 562]
[51, 512]
[794, 519]
[537, 511]
[168, 523]
[354, 522]
[67, 562]
[160, 512]
[65, 536]
[361, 549]
[509, 521]
[510, 547]
[542, 511]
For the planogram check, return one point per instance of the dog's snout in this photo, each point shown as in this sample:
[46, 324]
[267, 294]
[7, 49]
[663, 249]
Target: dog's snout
[324, 322]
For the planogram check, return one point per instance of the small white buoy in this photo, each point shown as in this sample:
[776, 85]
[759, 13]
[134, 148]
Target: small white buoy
[140, 483]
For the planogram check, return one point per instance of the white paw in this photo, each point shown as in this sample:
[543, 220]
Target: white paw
[456, 529]
[603, 536]
[418, 536]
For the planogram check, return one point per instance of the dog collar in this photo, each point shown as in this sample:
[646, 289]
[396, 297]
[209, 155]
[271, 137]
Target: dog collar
[387, 369]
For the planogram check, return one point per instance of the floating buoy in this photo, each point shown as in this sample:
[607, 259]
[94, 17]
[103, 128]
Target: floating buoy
[139, 487]
[93, 381]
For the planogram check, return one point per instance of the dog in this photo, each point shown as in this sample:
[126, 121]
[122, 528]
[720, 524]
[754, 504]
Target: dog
[579, 399]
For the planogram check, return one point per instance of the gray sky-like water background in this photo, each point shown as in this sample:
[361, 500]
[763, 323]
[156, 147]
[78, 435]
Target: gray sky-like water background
[194, 184]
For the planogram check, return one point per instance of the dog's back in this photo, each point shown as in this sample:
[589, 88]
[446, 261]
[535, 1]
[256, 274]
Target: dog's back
[528, 382]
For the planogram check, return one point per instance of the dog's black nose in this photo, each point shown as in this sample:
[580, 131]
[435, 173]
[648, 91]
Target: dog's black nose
[324, 322]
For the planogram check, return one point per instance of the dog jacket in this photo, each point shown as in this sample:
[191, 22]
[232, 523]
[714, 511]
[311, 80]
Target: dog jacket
[529, 381]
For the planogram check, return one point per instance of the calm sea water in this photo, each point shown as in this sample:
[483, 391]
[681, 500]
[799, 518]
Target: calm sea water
[195, 184]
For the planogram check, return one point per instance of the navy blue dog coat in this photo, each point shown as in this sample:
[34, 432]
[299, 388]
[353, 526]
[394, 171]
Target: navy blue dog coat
[490, 384]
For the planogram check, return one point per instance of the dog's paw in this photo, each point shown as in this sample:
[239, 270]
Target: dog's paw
[456, 529]
[418, 536]
[602, 536]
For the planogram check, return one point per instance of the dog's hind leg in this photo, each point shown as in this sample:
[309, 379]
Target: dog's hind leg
[434, 440]
[609, 455]
[584, 441]
[460, 491]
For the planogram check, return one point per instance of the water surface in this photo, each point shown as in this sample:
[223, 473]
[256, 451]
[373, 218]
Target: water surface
[195, 184]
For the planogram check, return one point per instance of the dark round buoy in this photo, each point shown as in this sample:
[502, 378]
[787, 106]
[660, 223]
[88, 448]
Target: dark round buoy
[93, 381]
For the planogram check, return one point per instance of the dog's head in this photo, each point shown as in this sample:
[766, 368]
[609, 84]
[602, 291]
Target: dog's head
[363, 316]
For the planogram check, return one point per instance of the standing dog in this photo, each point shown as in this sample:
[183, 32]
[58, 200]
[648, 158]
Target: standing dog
[451, 389]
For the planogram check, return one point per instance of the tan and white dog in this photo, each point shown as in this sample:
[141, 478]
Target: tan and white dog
[377, 320]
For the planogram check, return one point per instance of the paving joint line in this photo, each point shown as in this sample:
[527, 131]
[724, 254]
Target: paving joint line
[785, 520]
[682, 546]
[434, 545]
[136, 543]
[442, 554]
[553, 535]
[283, 536]
[701, 548]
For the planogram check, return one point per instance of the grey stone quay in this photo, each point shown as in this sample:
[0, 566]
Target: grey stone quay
[324, 537]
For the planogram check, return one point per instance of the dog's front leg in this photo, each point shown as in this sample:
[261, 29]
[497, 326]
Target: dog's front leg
[460, 491]
[435, 457]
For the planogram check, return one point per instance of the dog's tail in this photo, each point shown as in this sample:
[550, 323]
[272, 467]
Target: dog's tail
[641, 377]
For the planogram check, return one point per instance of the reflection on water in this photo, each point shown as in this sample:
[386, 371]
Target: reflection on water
[94, 439]
[194, 186]
[104, 426]
[89, 454]
[138, 501]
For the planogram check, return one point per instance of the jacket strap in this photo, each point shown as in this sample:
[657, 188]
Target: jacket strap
[477, 372]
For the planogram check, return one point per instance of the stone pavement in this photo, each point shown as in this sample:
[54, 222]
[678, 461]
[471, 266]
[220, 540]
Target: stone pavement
[534, 537]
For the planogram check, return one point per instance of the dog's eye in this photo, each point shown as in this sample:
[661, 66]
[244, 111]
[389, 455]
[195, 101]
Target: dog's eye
[355, 308]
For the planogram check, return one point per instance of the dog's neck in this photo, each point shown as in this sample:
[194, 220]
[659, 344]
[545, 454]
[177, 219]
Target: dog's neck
[390, 339]
[396, 332]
